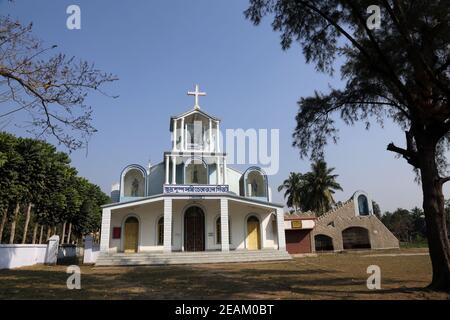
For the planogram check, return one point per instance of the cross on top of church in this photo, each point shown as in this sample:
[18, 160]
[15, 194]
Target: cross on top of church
[196, 94]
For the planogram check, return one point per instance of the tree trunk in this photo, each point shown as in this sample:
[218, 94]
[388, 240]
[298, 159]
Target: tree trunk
[3, 223]
[63, 233]
[35, 228]
[69, 233]
[433, 207]
[41, 234]
[49, 232]
[27, 222]
[13, 224]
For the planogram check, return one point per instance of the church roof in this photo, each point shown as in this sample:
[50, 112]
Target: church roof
[158, 197]
[188, 113]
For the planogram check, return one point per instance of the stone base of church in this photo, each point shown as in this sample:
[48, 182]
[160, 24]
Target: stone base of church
[173, 258]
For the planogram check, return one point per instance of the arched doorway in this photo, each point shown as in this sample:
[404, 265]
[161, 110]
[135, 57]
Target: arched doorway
[194, 229]
[131, 235]
[323, 243]
[253, 234]
[356, 238]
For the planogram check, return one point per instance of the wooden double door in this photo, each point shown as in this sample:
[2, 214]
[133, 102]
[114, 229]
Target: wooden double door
[194, 229]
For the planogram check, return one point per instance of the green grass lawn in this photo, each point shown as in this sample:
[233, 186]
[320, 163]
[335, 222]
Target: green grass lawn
[328, 276]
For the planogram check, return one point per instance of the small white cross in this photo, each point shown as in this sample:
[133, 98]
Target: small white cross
[196, 94]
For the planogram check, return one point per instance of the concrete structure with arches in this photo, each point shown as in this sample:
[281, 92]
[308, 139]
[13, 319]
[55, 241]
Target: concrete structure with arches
[352, 225]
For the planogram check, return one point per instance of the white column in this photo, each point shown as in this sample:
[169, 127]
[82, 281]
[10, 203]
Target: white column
[225, 240]
[217, 137]
[174, 170]
[167, 225]
[211, 144]
[183, 132]
[218, 170]
[174, 134]
[105, 233]
[280, 230]
[225, 170]
[167, 169]
[51, 254]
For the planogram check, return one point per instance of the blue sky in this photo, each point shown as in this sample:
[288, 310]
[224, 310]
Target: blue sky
[160, 49]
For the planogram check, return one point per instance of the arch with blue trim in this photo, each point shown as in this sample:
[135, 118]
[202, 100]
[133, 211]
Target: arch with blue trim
[254, 184]
[133, 182]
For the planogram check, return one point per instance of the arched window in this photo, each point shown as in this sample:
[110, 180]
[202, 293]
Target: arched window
[161, 231]
[363, 205]
[219, 231]
[196, 172]
[134, 183]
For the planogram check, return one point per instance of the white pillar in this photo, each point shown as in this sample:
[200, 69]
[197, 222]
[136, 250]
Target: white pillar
[211, 144]
[280, 230]
[218, 170]
[106, 230]
[167, 169]
[183, 132]
[51, 254]
[225, 170]
[224, 227]
[174, 134]
[174, 170]
[217, 137]
[167, 225]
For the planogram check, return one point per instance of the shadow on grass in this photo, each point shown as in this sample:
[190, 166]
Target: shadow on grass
[191, 282]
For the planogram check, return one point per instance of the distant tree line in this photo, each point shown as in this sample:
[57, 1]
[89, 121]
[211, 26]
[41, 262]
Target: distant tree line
[409, 225]
[41, 194]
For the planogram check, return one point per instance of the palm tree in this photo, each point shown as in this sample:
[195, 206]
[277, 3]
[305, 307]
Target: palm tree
[293, 187]
[319, 185]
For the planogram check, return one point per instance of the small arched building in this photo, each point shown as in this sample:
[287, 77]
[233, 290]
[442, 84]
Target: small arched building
[352, 225]
[192, 200]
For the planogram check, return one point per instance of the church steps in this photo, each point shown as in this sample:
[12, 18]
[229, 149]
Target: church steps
[190, 258]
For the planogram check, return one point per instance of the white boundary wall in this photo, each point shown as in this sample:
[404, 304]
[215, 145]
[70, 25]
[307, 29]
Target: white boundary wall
[22, 255]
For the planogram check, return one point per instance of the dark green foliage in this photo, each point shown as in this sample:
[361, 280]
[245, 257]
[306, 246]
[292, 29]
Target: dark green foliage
[34, 172]
[409, 225]
[376, 209]
[292, 185]
[312, 191]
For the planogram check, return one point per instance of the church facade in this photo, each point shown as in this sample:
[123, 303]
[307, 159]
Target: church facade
[192, 200]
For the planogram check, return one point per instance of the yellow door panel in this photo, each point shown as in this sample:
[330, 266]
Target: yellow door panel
[131, 237]
[253, 242]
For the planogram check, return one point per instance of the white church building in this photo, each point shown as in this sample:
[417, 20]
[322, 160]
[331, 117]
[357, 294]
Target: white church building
[192, 207]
